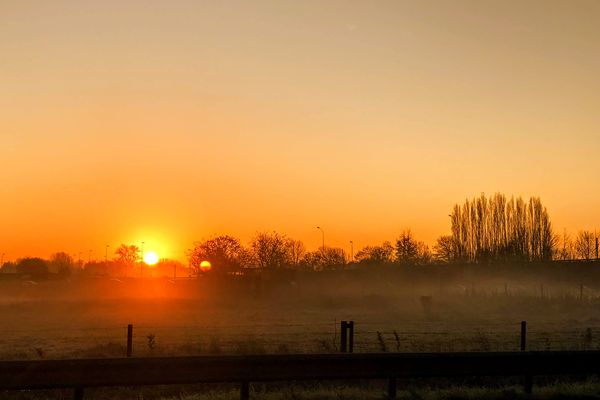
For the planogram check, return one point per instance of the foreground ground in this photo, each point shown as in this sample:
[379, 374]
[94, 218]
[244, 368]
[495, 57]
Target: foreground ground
[587, 389]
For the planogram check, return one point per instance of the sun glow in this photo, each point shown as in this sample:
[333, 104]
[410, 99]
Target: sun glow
[205, 266]
[150, 258]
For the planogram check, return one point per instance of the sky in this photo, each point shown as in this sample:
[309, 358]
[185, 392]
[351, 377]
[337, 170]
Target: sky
[171, 121]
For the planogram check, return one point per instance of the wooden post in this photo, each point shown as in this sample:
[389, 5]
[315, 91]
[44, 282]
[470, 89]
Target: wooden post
[351, 337]
[78, 393]
[129, 340]
[392, 389]
[343, 336]
[523, 335]
[527, 379]
[245, 391]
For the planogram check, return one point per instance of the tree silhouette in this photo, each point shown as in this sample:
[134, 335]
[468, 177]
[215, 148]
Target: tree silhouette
[444, 249]
[61, 263]
[225, 254]
[486, 230]
[376, 254]
[271, 250]
[407, 248]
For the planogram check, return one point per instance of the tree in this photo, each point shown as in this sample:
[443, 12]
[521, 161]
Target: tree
[32, 266]
[325, 258]
[444, 249]
[376, 254]
[128, 255]
[407, 248]
[225, 254]
[271, 250]
[61, 263]
[296, 250]
[585, 245]
[497, 229]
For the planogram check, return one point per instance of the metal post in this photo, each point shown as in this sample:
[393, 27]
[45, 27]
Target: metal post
[523, 335]
[527, 379]
[350, 336]
[343, 336]
[245, 391]
[129, 340]
[392, 389]
[78, 393]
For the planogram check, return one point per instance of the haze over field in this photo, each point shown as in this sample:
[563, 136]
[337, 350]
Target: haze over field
[167, 122]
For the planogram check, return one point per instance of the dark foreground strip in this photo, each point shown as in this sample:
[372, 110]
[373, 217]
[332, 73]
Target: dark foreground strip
[78, 374]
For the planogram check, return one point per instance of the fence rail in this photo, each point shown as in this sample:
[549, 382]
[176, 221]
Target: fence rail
[79, 374]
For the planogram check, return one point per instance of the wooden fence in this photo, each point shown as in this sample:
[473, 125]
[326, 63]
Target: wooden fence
[83, 373]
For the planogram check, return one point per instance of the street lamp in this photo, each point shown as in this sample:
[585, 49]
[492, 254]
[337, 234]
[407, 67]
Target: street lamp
[323, 236]
[351, 251]
[106, 254]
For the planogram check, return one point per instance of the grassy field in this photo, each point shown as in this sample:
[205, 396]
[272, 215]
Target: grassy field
[392, 314]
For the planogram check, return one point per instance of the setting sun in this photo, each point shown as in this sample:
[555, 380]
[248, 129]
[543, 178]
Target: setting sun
[150, 258]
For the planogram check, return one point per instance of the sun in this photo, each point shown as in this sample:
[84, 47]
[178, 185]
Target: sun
[150, 258]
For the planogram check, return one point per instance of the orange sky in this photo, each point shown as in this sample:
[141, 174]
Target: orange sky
[168, 121]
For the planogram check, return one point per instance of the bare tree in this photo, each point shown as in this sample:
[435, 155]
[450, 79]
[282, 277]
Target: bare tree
[225, 254]
[271, 250]
[497, 229]
[127, 255]
[444, 249]
[407, 248]
[325, 258]
[61, 263]
[585, 245]
[376, 254]
[296, 250]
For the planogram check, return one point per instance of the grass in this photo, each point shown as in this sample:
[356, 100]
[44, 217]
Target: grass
[372, 390]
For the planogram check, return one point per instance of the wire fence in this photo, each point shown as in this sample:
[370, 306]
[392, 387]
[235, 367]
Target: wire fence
[154, 340]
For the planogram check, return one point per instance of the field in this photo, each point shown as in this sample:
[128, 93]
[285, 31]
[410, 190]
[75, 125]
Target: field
[393, 312]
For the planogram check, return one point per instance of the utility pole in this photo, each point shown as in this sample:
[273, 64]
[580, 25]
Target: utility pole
[323, 236]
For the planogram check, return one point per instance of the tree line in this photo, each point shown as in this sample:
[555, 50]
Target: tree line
[482, 230]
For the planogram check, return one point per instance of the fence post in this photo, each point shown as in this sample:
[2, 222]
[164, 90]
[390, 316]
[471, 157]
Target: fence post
[129, 340]
[343, 336]
[527, 379]
[351, 337]
[392, 389]
[245, 391]
[78, 393]
[523, 335]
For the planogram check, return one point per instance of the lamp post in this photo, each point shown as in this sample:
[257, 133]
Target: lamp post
[351, 251]
[106, 254]
[323, 236]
